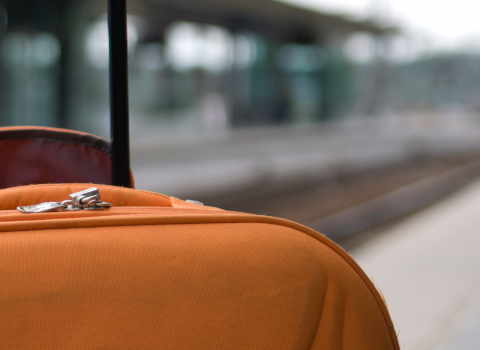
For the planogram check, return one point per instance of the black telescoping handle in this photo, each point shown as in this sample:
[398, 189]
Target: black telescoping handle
[119, 108]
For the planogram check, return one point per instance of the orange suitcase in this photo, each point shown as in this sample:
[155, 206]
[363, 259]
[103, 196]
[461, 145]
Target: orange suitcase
[154, 272]
[116, 268]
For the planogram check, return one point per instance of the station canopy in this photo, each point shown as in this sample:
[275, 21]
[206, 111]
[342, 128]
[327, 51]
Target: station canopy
[272, 18]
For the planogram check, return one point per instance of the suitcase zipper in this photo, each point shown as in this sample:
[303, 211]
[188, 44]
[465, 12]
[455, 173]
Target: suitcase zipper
[84, 200]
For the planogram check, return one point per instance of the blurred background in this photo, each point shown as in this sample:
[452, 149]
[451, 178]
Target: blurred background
[358, 118]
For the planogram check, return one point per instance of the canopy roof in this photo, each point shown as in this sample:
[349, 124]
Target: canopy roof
[267, 16]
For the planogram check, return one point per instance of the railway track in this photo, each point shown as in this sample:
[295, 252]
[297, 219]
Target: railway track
[347, 204]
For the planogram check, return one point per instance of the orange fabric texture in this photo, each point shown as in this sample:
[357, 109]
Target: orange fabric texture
[11, 198]
[35, 155]
[180, 277]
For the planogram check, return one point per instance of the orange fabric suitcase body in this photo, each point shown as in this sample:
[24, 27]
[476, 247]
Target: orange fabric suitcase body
[155, 272]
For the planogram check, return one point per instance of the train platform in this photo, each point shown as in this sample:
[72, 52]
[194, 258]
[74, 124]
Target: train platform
[202, 166]
[428, 269]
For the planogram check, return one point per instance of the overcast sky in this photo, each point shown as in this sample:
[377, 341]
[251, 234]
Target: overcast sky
[450, 22]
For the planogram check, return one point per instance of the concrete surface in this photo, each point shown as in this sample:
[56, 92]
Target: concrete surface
[428, 268]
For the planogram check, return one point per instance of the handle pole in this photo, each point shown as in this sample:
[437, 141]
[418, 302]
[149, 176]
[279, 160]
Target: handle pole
[119, 115]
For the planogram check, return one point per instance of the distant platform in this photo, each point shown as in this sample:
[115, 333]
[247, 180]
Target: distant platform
[231, 162]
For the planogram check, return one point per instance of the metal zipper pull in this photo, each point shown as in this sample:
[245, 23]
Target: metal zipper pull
[87, 199]
[83, 198]
[42, 208]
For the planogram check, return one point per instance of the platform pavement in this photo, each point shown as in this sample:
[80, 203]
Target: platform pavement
[428, 269]
[220, 164]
